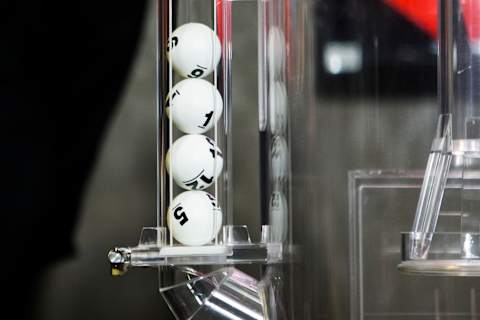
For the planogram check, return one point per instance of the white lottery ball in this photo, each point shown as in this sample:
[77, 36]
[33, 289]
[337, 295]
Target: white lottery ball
[194, 218]
[276, 51]
[193, 166]
[279, 154]
[278, 211]
[192, 103]
[278, 108]
[194, 50]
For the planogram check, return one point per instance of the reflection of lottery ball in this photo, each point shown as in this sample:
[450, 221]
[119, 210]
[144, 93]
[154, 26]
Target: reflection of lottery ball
[278, 108]
[279, 154]
[193, 102]
[193, 162]
[276, 51]
[194, 218]
[194, 50]
[278, 216]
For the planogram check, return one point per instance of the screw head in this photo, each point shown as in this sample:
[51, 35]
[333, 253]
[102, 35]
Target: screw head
[116, 257]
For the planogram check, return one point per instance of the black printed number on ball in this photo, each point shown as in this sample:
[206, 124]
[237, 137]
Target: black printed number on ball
[180, 215]
[212, 200]
[197, 72]
[173, 43]
[175, 93]
[209, 117]
[212, 151]
[194, 184]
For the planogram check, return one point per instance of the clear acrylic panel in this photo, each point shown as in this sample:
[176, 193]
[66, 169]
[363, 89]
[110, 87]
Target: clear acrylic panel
[382, 206]
[226, 293]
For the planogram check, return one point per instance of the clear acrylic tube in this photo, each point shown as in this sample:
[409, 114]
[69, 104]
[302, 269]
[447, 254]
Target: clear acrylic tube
[195, 18]
[433, 187]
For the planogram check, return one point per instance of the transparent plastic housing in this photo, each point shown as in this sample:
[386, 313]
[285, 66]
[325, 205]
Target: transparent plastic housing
[199, 126]
[382, 205]
[451, 253]
[273, 137]
[226, 293]
[455, 150]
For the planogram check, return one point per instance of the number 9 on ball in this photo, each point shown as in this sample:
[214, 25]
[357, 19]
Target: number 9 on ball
[194, 50]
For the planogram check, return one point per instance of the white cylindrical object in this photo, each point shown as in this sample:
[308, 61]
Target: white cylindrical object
[276, 52]
[278, 212]
[279, 154]
[278, 112]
